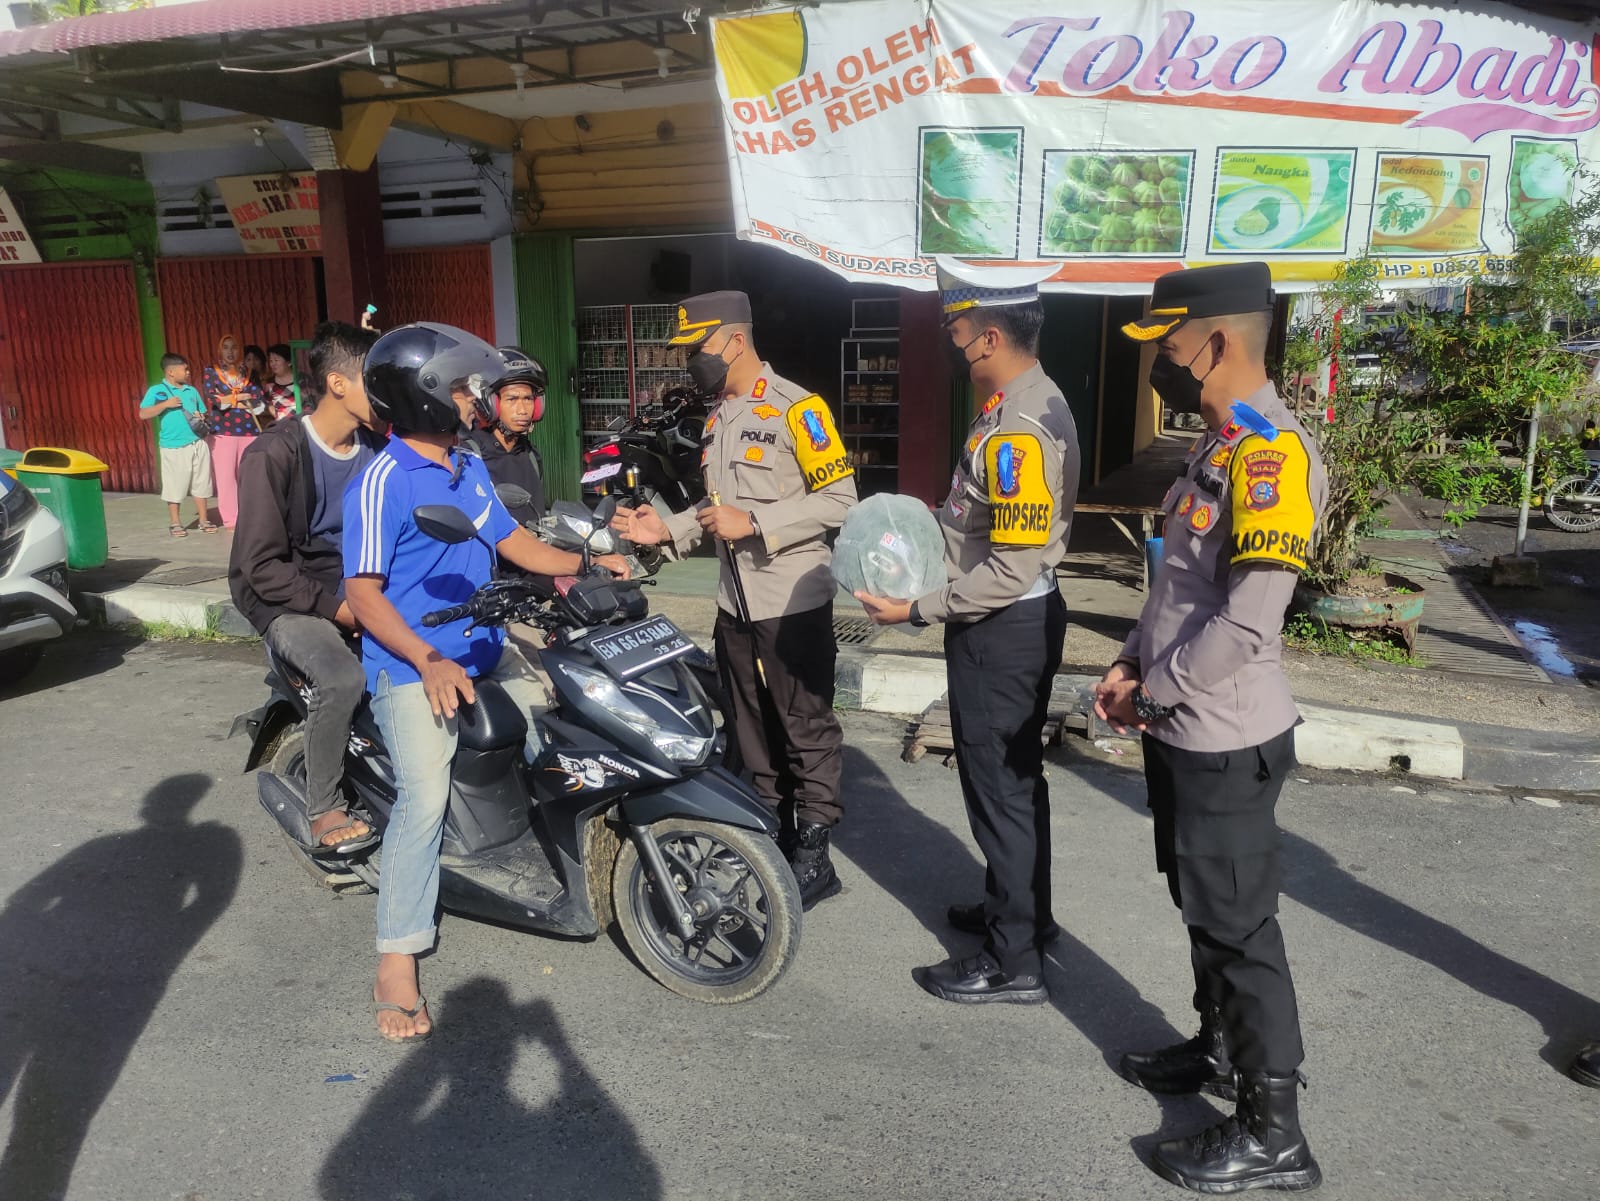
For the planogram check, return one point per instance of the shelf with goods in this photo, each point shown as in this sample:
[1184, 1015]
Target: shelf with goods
[624, 362]
[869, 396]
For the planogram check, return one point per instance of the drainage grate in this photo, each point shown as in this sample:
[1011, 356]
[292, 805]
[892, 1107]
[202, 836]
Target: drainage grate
[183, 576]
[853, 631]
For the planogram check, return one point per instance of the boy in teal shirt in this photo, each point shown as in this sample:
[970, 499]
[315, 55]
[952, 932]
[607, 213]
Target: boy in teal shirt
[185, 457]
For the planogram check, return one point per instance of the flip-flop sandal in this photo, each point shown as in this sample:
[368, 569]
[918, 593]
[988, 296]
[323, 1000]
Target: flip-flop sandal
[350, 823]
[177, 531]
[207, 528]
[349, 846]
[392, 1006]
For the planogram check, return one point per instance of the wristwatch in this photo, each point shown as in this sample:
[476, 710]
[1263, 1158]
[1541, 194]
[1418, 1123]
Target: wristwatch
[1147, 708]
[916, 618]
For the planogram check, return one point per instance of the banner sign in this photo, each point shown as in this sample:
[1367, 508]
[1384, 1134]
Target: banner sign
[274, 214]
[1124, 140]
[15, 244]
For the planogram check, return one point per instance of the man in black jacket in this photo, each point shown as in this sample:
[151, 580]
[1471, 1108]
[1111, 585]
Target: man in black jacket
[286, 571]
[514, 406]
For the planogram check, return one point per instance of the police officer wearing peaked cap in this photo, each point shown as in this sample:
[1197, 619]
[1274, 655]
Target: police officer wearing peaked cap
[1005, 527]
[777, 481]
[1202, 676]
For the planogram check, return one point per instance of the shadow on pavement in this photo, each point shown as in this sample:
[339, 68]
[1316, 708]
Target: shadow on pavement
[87, 948]
[448, 1125]
[1312, 877]
[82, 653]
[925, 867]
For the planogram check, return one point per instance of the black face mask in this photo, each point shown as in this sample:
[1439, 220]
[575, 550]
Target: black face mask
[1179, 388]
[957, 354]
[710, 371]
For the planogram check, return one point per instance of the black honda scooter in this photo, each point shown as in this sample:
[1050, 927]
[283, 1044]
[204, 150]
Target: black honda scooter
[619, 815]
[657, 449]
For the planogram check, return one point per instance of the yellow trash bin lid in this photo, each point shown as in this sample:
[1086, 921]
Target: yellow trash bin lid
[56, 460]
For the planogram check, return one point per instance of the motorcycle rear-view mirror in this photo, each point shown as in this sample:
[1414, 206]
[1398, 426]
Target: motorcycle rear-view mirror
[605, 511]
[444, 523]
[513, 496]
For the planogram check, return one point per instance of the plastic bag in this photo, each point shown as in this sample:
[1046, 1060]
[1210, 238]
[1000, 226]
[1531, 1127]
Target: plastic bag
[890, 546]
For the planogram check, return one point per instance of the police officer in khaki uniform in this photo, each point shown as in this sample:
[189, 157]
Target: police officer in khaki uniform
[1202, 676]
[1005, 526]
[777, 481]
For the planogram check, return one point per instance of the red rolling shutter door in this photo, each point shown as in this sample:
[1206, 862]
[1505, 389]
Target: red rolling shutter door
[264, 299]
[451, 284]
[72, 366]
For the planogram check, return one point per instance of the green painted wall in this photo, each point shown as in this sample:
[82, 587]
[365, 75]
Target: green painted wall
[547, 328]
[75, 216]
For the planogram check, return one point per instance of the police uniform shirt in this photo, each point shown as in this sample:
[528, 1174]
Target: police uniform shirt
[1239, 524]
[1009, 511]
[775, 453]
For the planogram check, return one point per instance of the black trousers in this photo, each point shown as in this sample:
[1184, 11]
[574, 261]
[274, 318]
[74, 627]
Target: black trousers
[1216, 838]
[788, 736]
[1000, 670]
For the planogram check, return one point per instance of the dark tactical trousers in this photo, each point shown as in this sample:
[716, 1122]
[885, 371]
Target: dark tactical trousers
[1000, 671]
[788, 736]
[1216, 838]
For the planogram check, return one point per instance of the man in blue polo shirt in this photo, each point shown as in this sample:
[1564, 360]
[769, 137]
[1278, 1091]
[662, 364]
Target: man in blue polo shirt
[418, 677]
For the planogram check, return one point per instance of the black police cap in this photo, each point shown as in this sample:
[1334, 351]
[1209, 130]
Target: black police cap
[1219, 291]
[701, 316]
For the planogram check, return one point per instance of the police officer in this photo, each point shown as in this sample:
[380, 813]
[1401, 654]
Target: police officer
[1005, 528]
[777, 481]
[1202, 676]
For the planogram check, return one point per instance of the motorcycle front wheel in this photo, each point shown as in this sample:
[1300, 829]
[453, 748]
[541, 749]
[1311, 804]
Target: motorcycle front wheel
[746, 908]
[1574, 504]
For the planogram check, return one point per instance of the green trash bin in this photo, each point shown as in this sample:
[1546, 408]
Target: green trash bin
[9, 460]
[67, 482]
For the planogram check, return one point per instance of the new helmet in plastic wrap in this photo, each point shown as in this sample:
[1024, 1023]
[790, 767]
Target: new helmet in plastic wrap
[890, 546]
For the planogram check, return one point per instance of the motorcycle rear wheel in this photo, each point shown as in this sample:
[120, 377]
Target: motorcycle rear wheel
[289, 763]
[1574, 504]
[747, 905]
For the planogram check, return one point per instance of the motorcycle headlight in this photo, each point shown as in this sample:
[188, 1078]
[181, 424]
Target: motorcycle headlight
[604, 691]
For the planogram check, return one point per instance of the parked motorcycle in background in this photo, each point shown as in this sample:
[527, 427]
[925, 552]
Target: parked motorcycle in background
[660, 444]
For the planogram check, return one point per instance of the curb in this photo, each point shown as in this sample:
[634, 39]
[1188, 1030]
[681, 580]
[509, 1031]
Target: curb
[905, 685]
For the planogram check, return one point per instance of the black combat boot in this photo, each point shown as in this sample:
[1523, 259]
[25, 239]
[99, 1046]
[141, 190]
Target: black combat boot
[1201, 1064]
[1259, 1147]
[1585, 1066]
[813, 870]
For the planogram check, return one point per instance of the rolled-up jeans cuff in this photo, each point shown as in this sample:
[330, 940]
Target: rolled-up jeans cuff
[411, 944]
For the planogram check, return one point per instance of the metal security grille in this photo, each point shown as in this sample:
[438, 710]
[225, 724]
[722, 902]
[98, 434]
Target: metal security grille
[72, 366]
[262, 298]
[853, 631]
[452, 284]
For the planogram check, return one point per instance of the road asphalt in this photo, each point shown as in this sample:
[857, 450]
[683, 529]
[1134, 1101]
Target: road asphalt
[183, 1012]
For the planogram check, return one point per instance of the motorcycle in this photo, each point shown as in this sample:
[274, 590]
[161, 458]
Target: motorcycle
[1573, 504]
[660, 446]
[620, 816]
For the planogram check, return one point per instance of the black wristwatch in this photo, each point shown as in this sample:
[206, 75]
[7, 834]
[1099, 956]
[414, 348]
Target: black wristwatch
[916, 617]
[1147, 708]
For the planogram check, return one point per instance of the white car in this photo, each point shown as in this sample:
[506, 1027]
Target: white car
[34, 603]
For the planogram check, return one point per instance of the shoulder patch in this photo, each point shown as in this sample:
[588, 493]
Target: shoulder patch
[1273, 518]
[816, 443]
[760, 389]
[1021, 509]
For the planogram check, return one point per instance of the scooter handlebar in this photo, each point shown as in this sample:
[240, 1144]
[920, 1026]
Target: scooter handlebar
[441, 617]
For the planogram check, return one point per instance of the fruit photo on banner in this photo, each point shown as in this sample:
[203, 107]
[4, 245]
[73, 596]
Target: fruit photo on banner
[971, 192]
[1540, 182]
[1115, 204]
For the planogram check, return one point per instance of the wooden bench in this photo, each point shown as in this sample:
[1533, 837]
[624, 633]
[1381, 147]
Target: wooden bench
[1146, 514]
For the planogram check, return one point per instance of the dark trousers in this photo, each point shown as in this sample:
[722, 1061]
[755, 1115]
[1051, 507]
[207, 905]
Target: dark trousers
[1000, 670]
[787, 734]
[316, 648]
[1216, 838]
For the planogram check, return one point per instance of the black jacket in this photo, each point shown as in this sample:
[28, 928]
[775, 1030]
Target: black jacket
[521, 465]
[276, 566]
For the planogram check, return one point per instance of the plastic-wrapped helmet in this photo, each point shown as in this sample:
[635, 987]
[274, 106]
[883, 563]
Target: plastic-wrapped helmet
[519, 367]
[410, 370]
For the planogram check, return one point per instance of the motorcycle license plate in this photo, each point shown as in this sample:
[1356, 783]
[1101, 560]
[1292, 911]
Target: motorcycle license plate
[632, 650]
[596, 474]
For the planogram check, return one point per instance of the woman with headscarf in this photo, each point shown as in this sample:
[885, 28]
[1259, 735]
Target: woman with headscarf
[233, 398]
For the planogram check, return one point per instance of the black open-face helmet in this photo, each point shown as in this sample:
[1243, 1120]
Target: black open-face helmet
[518, 367]
[411, 369]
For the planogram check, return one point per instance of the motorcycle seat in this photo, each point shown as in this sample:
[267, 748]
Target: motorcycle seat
[492, 721]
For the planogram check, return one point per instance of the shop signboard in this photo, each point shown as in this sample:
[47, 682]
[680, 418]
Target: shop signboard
[274, 214]
[1125, 140]
[15, 244]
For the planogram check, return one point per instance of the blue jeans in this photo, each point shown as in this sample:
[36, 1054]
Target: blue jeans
[421, 746]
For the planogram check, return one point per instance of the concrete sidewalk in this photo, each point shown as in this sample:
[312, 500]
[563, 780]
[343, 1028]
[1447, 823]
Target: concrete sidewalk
[1359, 716]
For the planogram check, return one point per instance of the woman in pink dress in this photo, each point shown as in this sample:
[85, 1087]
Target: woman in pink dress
[234, 399]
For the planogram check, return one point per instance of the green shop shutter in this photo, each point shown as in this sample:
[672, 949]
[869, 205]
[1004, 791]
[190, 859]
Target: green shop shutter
[547, 328]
